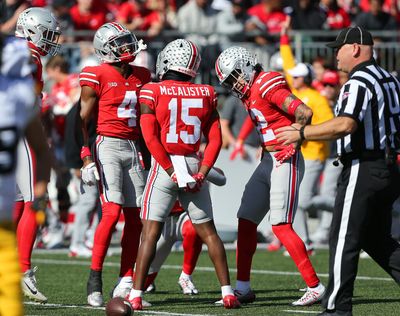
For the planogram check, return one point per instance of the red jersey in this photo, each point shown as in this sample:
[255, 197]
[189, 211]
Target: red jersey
[337, 20]
[272, 20]
[39, 67]
[264, 104]
[60, 101]
[88, 21]
[182, 110]
[118, 109]
[128, 12]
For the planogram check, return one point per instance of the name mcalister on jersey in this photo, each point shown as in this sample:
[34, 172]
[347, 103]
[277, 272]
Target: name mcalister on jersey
[185, 91]
[181, 117]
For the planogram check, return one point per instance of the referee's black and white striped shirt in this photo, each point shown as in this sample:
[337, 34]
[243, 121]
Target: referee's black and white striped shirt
[371, 97]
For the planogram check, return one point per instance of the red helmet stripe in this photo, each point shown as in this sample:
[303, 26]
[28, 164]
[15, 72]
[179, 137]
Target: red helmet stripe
[194, 55]
[117, 26]
[219, 72]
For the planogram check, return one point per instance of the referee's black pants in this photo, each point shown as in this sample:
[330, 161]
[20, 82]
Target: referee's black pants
[362, 219]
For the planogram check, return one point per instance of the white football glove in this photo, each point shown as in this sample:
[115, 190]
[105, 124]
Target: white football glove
[90, 174]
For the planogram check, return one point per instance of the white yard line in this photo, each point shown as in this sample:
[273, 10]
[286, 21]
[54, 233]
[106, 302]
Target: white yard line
[145, 312]
[204, 269]
[292, 311]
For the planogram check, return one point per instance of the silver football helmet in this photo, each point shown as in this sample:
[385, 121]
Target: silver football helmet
[40, 27]
[179, 55]
[235, 69]
[113, 43]
[276, 62]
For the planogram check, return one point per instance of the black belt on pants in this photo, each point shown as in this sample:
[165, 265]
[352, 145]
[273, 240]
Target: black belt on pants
[364, 155]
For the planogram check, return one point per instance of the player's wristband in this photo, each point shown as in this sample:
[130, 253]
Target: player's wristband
[301, 130]
[85, 152]
[293, 106]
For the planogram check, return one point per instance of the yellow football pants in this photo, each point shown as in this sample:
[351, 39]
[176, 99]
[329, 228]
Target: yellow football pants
[10, 273]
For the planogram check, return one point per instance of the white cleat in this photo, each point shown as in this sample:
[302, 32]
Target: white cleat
[187, 286]
[311, 296]
[95, 299]
[29, 287]
[145, 303]
[122, 290]
[79, 252]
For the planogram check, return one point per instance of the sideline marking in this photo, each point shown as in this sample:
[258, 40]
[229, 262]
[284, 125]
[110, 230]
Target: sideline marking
[204, 269]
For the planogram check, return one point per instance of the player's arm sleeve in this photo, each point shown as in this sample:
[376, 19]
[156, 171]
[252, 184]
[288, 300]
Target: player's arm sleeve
[282, 97]
[151, 132]
[287, 57]
[246, 129]
[213, 134]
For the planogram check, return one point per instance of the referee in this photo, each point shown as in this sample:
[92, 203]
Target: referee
[366, 126]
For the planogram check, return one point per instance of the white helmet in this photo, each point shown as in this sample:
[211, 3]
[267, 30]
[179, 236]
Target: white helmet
[179, 55]
[235, 69]
[40, 27]
[276, 62]
[113, 43]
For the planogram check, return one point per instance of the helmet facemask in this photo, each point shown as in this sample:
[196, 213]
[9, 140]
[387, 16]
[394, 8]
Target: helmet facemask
[237, 83]
[235, 69]
[48, 41]
[124, 47]
[39, 27]
[114, 43]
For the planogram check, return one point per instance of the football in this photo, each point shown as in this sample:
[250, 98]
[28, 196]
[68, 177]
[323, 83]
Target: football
[119, 307]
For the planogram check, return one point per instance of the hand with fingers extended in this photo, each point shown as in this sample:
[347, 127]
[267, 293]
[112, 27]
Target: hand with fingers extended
[284, 153]
[89, 173]
[195, 187]
[238, 150]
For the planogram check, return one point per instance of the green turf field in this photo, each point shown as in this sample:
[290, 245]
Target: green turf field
[63, 281]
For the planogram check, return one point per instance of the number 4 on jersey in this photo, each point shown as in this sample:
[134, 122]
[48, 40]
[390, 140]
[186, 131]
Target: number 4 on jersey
[127, 109]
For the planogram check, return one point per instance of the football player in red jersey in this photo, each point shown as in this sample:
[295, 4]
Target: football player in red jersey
[174, 114]
[109, 95]
[40, 28]
[274, 185]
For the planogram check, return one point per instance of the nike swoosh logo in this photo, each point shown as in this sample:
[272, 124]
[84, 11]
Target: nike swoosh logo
[254, 102]
[32, 291]
[138, 85]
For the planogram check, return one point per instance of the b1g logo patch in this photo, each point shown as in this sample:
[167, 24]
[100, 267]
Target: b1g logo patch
[112, 84]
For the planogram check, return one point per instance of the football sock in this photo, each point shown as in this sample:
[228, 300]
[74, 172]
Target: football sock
[185, 275]
[242, 286]
[226, 290]
[102, 237]
[246, 247]
[135, 293]
[297, 250]
[26, 235]
[150, 279]
[130, 240]
[192, 245]
[17, 211]
[10, 272]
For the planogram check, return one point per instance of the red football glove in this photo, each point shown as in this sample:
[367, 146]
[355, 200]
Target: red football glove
[239, 149]
[284, 153]
[195, 187]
